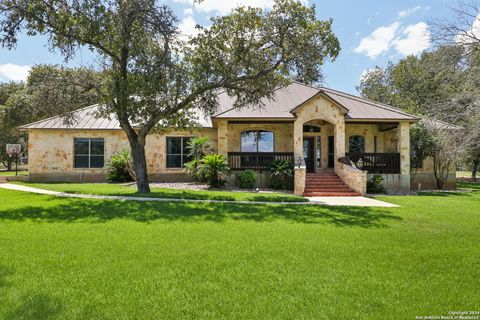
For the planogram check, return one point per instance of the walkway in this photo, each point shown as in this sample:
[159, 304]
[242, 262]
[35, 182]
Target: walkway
[330, 201]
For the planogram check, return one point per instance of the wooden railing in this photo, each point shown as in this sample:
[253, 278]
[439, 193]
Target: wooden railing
[377, 162]
[256, 160]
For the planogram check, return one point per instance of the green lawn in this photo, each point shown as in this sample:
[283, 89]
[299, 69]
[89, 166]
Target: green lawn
[12, 173]
[125, 190]
[63, 258]
[468, 185]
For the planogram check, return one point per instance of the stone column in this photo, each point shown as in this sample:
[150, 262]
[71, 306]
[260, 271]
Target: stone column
[298, 139]
[339, 140]
[300, 175]
[222, 132]
[403, 132]
[300, 172]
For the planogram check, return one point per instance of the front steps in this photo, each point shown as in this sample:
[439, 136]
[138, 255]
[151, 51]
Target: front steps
[327, 184]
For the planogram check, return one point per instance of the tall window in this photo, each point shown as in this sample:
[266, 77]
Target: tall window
[257, 141]
[356, 144]
[88, 152]
[177, 152]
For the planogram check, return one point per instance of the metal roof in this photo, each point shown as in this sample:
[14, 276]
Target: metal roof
[362, 109]
[281, 106]
[287, 99]
[88, 119]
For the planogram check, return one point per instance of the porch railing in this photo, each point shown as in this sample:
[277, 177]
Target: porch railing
[256, 160]
[377, 162]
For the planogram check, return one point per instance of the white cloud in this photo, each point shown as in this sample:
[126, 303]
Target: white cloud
[379, 41]
[407, 12]
[187, 26]
[416, 39]
[14, 72]
[473, 33]
[225, 6]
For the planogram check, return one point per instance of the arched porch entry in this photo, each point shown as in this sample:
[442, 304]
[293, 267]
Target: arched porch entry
[318, 146]
[319, 134]
[330, 118]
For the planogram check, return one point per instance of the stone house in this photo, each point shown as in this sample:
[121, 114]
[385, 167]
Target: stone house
[311, 127]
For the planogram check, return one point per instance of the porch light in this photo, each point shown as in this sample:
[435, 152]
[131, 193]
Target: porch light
[360, 163]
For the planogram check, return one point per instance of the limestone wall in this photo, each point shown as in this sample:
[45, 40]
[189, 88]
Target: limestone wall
[51, 154]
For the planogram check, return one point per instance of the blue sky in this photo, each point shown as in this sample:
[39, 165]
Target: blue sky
[371, 33]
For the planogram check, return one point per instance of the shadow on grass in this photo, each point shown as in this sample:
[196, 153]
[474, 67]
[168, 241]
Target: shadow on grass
[71, 210]
[35, 306]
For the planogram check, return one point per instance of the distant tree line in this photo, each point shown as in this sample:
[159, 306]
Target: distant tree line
[442, 84]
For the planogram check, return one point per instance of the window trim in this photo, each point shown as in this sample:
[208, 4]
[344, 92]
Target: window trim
[89, 155]
[176, 154]
[256, 137]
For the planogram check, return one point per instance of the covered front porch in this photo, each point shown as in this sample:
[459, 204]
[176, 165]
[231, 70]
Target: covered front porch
[314, 146]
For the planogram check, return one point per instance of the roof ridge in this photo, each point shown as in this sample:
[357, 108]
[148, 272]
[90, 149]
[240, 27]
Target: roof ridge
[372, 102]
[25, 126]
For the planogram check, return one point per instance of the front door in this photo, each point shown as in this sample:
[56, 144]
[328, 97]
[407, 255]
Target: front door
[309, 153]
[331, 151]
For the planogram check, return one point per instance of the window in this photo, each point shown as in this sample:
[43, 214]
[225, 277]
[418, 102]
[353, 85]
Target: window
[177, 152]
[88, 152]
[375, 144]
[356, 144]
[257, 141]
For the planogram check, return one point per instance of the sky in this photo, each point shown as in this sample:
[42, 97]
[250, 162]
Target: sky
[371, 33]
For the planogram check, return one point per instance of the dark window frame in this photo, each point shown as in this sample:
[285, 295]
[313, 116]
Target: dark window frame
[257, 132]
[182, 155]
[89, 155]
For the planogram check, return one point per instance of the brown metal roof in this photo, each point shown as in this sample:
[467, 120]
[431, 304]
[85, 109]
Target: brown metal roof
[287, 99]
[281, 106]
[362, 109]
[284, 100]
[84, 118]
[88, 119]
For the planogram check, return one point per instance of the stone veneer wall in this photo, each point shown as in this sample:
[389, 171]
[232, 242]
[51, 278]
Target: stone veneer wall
[426, 178]
[51, 154]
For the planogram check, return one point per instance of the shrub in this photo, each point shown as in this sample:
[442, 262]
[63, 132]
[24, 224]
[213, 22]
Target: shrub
[198, 148]
[281, 173]
[374, 185]
[118, 167]
[192, 169]
[214, 168]
[247, 179]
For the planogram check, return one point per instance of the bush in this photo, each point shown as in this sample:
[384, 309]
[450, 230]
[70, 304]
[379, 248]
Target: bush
[247, 179]
[117, 167]
[192, 169]
[198, 148]
[214, 168]
[374, 185]
[281, 173]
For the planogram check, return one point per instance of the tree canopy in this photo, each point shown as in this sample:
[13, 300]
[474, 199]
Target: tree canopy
[152, 76]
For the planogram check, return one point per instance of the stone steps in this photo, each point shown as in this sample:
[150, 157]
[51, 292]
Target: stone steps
[326, 184]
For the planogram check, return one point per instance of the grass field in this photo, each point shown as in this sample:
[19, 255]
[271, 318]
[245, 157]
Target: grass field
[129, 190]
[64, 258]
[12, 173]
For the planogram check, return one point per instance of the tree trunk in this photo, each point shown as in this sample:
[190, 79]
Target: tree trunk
[475, 169]
[140, 165]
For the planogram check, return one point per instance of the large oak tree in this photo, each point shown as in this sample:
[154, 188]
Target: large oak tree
[153, 76]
